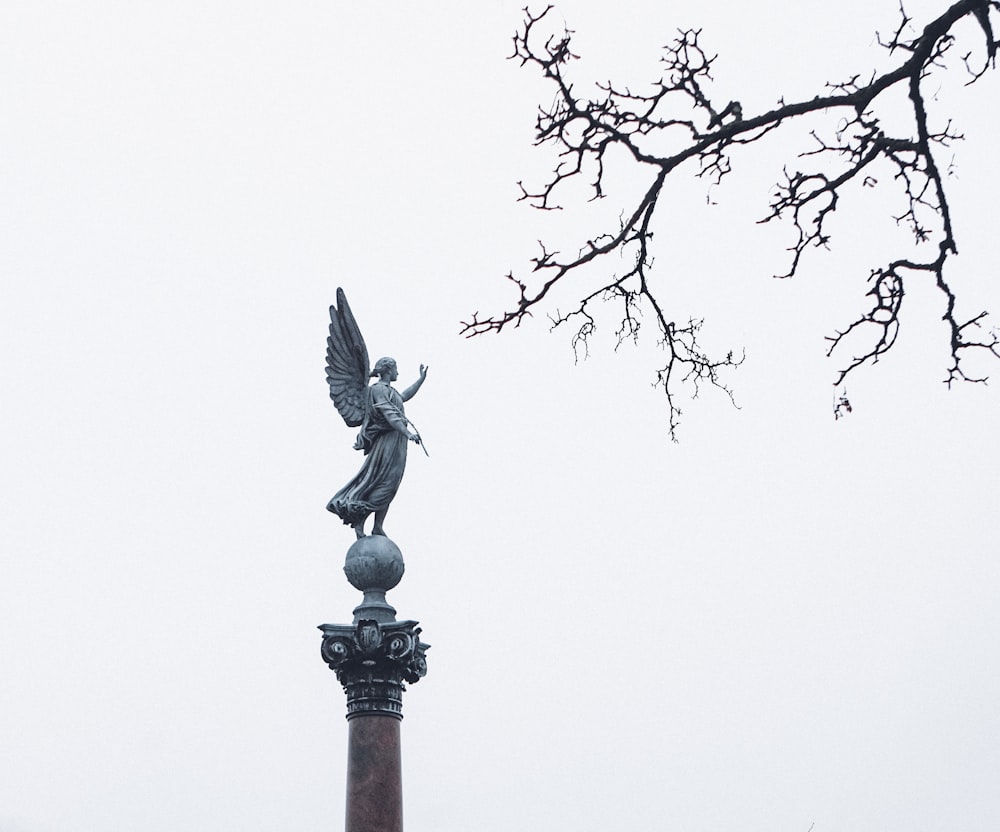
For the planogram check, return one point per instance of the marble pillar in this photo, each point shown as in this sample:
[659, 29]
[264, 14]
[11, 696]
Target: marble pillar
[374, 775]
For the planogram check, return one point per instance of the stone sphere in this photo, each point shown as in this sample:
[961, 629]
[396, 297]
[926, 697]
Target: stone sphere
[374, 563]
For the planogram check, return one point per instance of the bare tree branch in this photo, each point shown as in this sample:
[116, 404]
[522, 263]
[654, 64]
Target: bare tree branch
[679, 108]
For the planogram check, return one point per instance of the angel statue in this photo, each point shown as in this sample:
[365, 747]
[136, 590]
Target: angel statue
[378, 410]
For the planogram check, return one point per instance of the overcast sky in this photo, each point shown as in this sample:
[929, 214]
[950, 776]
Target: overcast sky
[783, 620]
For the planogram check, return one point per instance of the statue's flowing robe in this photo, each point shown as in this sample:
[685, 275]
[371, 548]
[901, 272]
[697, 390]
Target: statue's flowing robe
[374, 486]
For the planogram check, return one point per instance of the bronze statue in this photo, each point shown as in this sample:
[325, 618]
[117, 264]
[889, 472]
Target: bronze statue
[378, 410]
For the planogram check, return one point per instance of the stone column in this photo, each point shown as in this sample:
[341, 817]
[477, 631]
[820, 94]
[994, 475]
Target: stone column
[373, 658]
[374, 775]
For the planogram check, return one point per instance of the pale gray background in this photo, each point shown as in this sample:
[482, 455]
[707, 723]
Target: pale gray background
[782, 621]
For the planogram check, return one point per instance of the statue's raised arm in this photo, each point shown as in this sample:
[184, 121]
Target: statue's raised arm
[377, 410]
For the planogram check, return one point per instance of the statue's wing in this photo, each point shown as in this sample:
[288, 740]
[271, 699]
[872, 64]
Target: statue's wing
[346, 363]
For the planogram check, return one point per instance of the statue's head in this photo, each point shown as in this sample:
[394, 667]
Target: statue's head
[386, 367]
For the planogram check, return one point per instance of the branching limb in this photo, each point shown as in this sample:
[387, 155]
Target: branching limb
[680, 113]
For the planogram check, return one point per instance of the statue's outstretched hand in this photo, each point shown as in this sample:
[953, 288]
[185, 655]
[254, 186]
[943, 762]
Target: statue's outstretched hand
[410, 391]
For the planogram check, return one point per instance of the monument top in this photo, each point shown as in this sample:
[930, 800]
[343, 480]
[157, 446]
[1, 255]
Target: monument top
[378, 410]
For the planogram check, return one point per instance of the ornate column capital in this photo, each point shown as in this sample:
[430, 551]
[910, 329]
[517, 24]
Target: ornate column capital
[372, 661]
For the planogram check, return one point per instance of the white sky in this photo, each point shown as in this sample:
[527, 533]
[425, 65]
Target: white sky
[783, 620]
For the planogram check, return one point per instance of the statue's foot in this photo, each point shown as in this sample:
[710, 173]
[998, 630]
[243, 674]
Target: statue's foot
[379, 531]
[359, 530]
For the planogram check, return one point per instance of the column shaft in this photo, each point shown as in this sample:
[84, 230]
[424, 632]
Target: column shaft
[374, 775]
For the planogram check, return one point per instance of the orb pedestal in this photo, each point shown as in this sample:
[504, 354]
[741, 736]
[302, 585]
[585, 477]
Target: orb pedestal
[374, 657]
